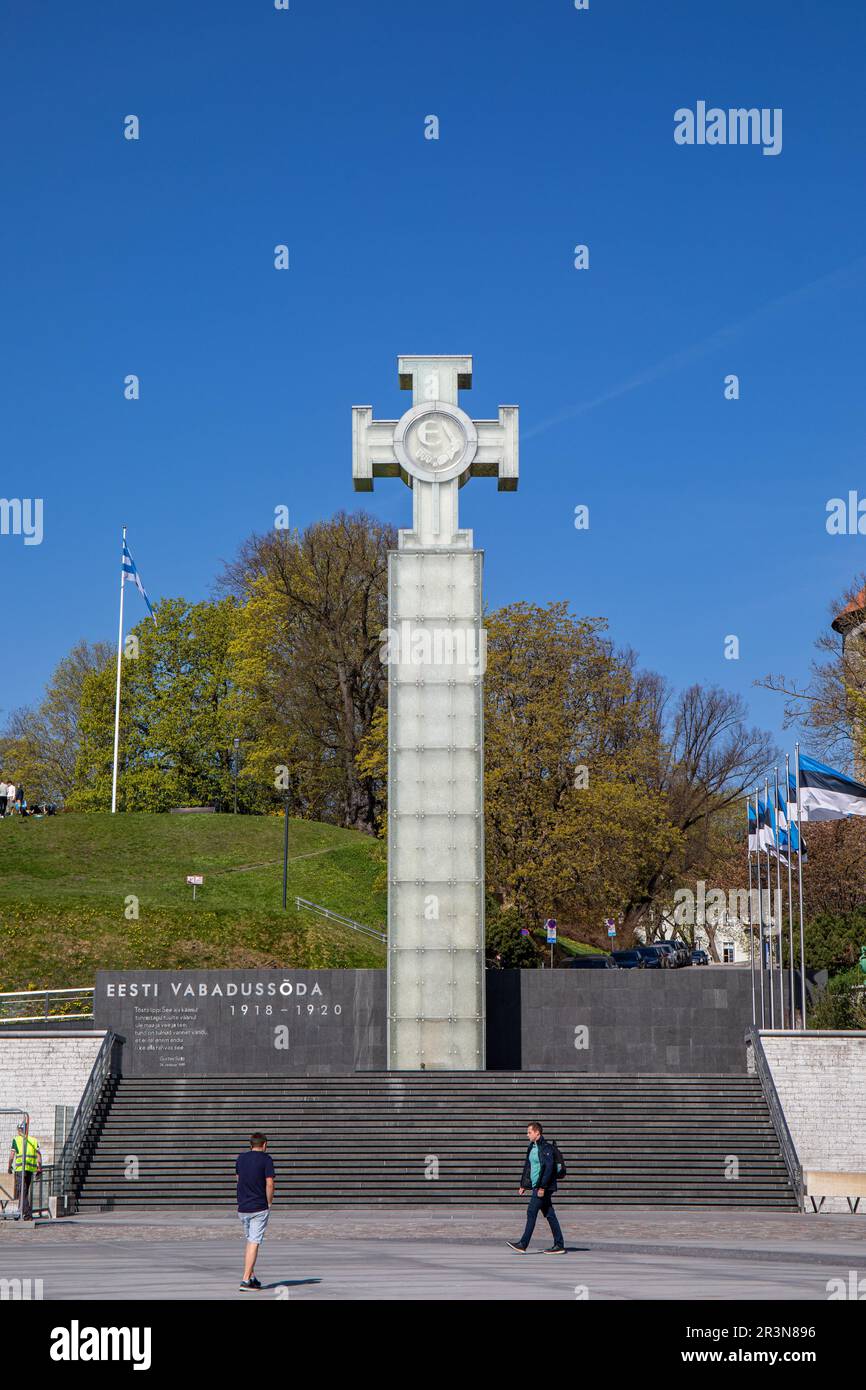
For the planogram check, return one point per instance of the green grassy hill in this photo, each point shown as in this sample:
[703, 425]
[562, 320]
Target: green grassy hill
[65, 881]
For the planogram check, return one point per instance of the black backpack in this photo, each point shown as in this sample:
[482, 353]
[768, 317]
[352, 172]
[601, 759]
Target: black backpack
[558, 1159]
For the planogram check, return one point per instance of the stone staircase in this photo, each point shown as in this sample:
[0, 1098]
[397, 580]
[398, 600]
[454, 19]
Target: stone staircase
[662, 1141]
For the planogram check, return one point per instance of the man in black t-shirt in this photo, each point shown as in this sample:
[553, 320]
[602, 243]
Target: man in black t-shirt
[255, 1170]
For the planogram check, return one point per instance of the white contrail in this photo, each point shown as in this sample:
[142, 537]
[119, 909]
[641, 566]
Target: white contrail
[695, 350]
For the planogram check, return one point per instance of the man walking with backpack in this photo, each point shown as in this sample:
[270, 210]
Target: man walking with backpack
[539, 1177]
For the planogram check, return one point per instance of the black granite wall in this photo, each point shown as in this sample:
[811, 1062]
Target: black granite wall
[690, 1020]
[332, 1022]
[245, 1022]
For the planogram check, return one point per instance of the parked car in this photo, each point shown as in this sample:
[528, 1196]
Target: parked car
[593, 963]
[683, 951]
[700, 958]
[652, 958]
[628, 960]
[670, 953]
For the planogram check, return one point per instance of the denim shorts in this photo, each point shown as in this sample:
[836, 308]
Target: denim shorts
[254, 1223]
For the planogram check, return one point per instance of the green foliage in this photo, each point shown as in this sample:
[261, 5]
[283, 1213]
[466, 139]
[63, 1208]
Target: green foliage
[842, 1005]
[514, 952]
[39, 747]
[179, 715]
[573, 822]
[834, 940]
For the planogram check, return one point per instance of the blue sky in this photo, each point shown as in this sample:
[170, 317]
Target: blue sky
[306, 127]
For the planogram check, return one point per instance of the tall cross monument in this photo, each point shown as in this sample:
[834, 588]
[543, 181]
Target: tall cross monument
[435, 653]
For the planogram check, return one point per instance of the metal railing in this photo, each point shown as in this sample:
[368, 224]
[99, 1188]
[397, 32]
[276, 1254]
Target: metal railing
[777, 1115]
[101, 1084]
[303, 904]
[31, 1005]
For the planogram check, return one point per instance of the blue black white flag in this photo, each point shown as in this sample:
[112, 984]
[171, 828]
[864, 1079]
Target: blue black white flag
[753, 827]
[825, 794]
[765, 834]
[774, 839]
[132, 576]
[789, 835]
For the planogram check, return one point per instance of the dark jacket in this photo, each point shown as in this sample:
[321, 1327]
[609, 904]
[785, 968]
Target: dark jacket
[547, 1180]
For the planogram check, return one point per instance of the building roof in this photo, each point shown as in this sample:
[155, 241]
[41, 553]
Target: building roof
[852, 614]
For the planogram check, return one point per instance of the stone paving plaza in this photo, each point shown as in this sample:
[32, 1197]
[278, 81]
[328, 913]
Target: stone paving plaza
[380, 1253]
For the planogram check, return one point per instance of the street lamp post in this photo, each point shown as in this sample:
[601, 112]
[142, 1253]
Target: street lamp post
[237, 744]
[285, 849]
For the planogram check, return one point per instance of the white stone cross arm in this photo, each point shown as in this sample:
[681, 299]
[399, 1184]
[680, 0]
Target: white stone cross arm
[435, 447]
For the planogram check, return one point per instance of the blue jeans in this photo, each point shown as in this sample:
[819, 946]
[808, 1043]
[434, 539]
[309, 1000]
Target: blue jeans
[545, 1206]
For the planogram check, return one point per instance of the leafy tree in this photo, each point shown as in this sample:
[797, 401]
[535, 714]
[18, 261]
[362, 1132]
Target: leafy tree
[841, 1005]
[506, 949]
[307, 654]
[706, 759]
[833, 941]
[39, 747]
[180, 713]
[573, 826]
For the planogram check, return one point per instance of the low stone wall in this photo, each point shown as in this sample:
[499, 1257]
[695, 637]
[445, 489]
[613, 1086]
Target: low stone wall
[820, 1078]
[39, 1070]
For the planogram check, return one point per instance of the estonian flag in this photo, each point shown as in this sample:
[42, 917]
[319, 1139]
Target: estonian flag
[774, 838]
[789, 835]
[753, 828]
[826, 794]
[765, 834]
[132, 576]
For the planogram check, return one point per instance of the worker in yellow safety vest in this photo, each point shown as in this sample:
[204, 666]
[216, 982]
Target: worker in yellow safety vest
[32, 1164]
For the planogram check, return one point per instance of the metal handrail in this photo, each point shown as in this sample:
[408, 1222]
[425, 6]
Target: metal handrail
[304, 903]
[106, 1068]
[777, 1115]
[44, 998]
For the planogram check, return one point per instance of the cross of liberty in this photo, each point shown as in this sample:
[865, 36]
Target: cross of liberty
[435, 448]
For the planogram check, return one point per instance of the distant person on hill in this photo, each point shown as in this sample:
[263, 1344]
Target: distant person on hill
[539, 1177]
[255, 1170]
[3, 794]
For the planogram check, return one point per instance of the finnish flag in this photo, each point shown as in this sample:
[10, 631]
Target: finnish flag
[825, 794]
[132, 576]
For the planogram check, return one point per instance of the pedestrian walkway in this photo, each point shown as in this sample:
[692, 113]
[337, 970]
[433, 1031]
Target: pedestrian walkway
[372, 1254]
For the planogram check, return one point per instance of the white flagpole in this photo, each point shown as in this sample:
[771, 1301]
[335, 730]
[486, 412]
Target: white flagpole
[791, 977]
[760, 908]
[117, 690]
[800, 883]
[751, 905]
[779, 898]
[770, 913]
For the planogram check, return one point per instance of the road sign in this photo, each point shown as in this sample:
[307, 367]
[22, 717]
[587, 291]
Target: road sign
[551, 931]
[611, 926]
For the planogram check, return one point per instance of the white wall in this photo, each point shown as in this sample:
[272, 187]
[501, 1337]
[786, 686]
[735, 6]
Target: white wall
[39, 1070]
[820, 1078]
